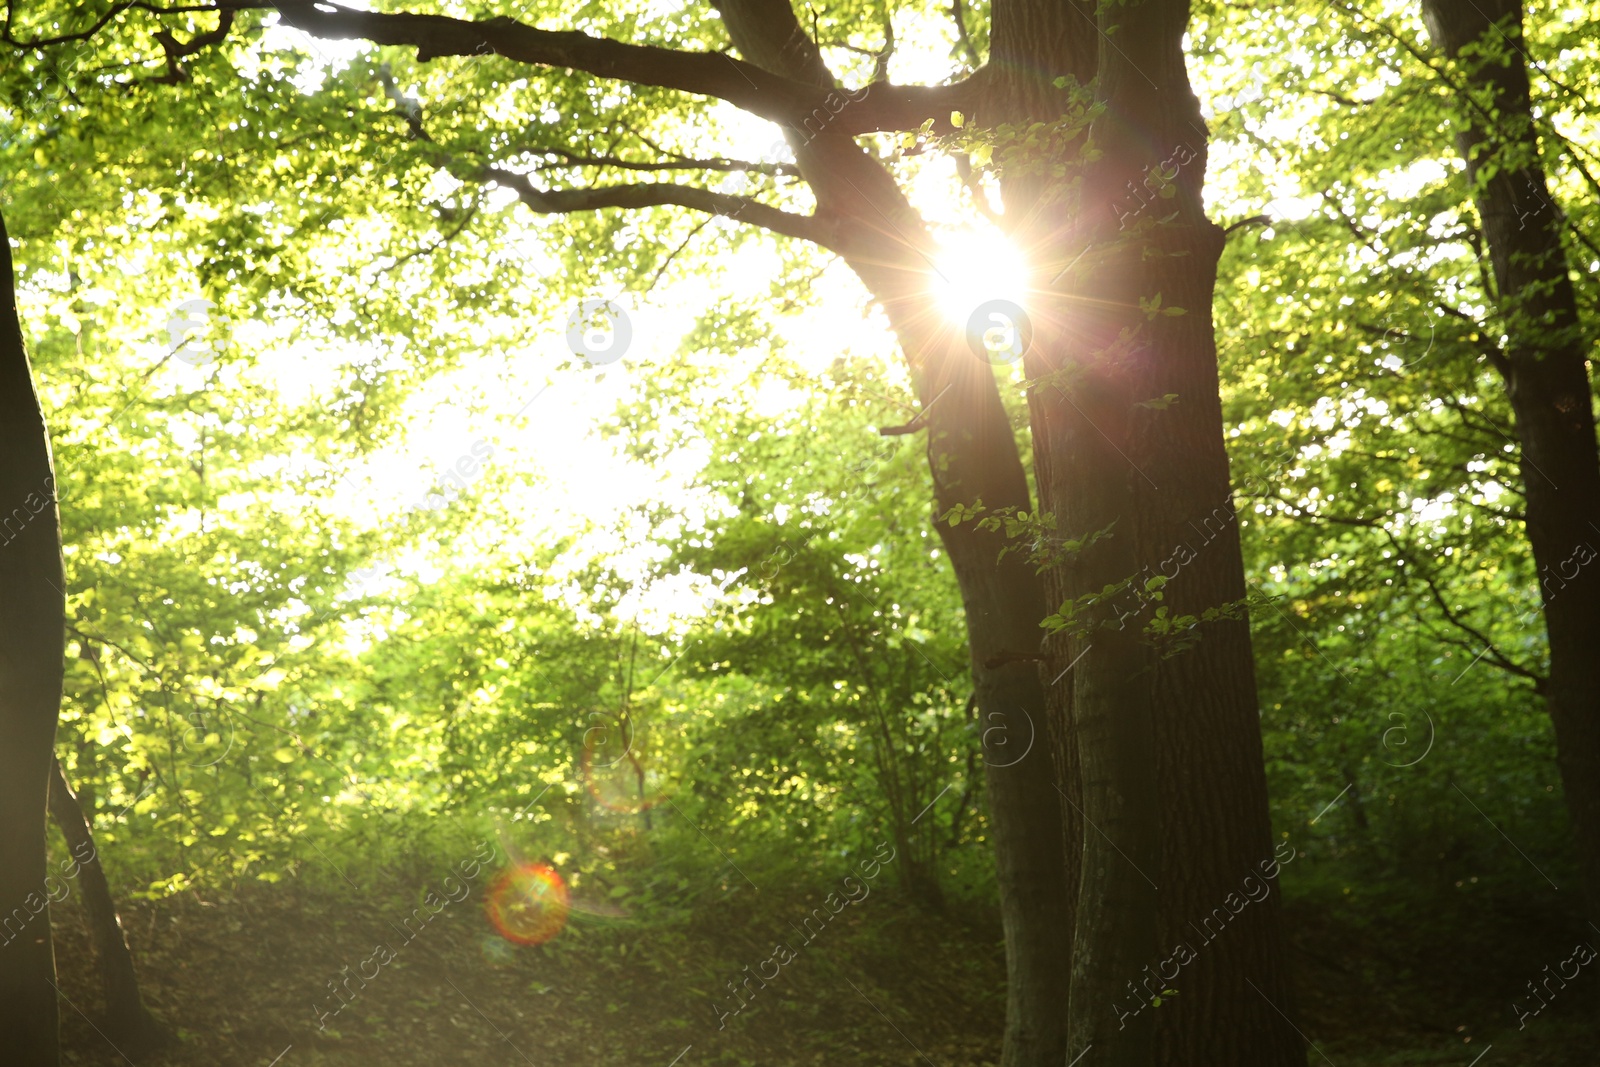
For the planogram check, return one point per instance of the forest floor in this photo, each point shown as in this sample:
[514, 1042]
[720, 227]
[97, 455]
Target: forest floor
[242, 980]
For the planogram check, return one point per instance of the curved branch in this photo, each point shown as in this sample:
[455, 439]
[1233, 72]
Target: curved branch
[98, 24]
[661, 194]
[874, 108]
[177, 51]
[879, 107]
[656, 277]
[1494, 656]
[576, 159]
[439, 36]
[1253, 220]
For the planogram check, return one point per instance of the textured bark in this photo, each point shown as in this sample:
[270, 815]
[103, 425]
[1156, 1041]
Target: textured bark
[1173, 782]
[127, 1023]
[32, 646]
[972, 454]
[1548, 384]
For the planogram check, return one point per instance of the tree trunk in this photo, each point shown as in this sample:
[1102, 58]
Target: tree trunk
[127, 1023]
[972, 453]
[32, 647]
[1128, 443]
[1547, 380]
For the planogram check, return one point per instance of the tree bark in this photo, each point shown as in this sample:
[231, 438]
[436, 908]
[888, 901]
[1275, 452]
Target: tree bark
[1547, 380]
[973, 456]
[1128, 444]
[127, 1023]
[32, 650]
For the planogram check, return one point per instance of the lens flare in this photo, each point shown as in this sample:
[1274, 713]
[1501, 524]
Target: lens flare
[496, 953]
[528, 903]
[974, 268]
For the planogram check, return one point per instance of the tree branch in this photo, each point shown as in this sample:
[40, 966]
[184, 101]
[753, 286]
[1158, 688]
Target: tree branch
[595, 198]
[660, 194]
[97, 25]
[794, 104]
[656, 277]
[963, 38]
[177, 51]
[1253, 220]
[574, 159]
[916, 422]
[880, 65]
[974, 184]
[1493, 654]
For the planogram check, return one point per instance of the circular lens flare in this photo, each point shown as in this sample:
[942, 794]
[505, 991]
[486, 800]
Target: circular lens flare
[528, 903]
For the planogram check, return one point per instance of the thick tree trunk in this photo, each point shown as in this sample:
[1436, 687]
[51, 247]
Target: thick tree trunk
[1128, 443]
[972, 453]
[32, 618]
[127, 1023]
[1548, 383]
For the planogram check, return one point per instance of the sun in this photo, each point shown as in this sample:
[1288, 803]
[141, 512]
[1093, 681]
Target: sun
[973, 268]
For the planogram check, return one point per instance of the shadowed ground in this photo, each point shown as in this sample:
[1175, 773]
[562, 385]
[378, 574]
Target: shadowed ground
[238, 977]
